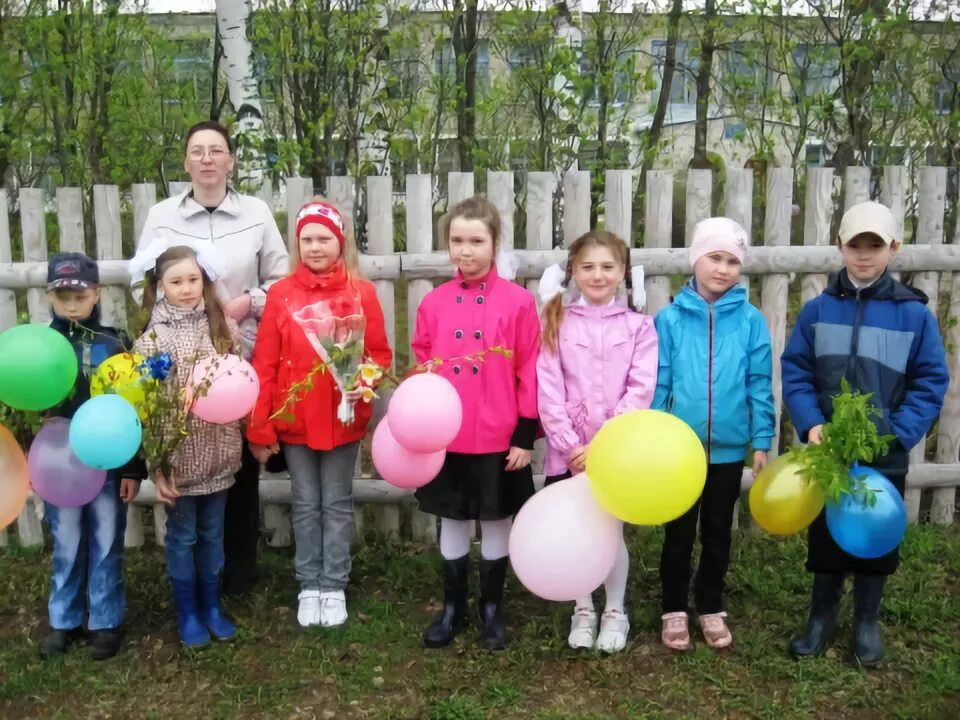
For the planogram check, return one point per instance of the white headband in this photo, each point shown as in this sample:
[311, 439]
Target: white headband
[551, 285]
[208, 257]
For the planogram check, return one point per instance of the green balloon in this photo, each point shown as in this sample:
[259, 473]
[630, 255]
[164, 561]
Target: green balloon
[38, 367]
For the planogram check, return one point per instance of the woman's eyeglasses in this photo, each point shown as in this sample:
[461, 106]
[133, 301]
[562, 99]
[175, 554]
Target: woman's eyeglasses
[215, 153]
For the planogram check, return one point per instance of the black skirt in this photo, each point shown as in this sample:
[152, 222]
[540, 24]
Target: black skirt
[551, 479]
[825, 556]
[476, 487]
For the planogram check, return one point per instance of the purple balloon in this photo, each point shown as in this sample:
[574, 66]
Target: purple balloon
[55, 472]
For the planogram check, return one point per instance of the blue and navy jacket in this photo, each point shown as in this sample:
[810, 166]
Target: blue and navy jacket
[884, 341]
[93, 343]
[715, 371]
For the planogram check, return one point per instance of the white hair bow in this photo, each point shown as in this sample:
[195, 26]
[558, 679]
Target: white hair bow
[551, 283]
[208, 257]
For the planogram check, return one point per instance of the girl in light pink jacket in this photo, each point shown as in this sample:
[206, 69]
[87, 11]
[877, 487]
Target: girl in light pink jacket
[599, 359]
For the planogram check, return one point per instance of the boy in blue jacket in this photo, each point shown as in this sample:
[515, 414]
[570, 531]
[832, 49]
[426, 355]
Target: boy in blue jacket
[880, 336]
[715, 375]
[86, 594]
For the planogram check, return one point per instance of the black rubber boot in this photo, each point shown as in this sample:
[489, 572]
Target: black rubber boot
[104, 644]
[867, 595]
[822, 625]
[492, 631]
[58, 641]
[441, 631]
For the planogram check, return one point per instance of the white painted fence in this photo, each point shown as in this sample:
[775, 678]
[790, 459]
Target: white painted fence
[935, 268]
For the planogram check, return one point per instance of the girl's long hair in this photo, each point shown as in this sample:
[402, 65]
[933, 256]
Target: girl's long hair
[349, 252]
[553, 310]
[219, 330]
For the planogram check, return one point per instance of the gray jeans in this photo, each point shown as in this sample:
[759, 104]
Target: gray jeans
[322, 486]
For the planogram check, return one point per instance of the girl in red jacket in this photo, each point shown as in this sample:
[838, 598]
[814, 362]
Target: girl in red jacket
[320, 449]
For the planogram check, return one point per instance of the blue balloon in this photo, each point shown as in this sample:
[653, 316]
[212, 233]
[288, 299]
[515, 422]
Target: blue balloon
[105, 432]
[864, 531]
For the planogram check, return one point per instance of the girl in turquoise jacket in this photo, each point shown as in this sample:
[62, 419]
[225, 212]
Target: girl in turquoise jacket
[715, 375]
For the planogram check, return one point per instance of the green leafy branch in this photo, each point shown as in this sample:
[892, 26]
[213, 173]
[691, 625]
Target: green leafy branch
[850, 437]
[299, 389]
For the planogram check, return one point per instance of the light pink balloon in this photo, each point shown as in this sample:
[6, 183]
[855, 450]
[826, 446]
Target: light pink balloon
[400, 467]
[563, 544]
[232, 387]
[425, 413]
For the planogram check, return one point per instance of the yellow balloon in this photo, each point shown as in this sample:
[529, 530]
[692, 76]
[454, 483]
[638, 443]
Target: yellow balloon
[781, 501]
[120, 374]
[646, 467]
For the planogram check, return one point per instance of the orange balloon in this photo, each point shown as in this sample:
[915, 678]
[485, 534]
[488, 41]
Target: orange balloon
[14, 478]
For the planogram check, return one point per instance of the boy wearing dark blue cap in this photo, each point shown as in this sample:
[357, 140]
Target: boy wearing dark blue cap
[86, 594]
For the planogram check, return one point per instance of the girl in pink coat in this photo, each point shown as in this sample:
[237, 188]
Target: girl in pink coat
[481, 332]
[599, 360]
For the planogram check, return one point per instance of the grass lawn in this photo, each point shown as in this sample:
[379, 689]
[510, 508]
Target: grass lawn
[375, 667]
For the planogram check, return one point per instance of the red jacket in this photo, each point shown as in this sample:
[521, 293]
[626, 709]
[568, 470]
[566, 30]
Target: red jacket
[283, 355]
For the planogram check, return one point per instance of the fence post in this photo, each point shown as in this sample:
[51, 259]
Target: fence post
[70, 219]
[739, 206]
[8, 300]
[419, 224]
[699, 200]
[659, 233]
[459, 187]
[500, 193]
[380, 242]
[618, 203]
[576, 205]
[33, 225]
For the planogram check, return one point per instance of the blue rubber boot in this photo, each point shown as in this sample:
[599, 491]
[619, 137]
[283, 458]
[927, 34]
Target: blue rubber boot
[193, 634]
[210, 611]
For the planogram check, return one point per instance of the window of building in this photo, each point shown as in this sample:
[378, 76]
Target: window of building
[683, 88]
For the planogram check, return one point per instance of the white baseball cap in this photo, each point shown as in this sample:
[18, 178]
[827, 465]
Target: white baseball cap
[868, 218]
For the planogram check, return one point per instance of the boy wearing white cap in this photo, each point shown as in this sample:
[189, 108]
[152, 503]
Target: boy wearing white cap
[878, 335]
[715, 375]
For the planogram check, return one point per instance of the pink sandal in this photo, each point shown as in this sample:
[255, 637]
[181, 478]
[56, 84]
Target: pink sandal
[675, 633]
[715, 630]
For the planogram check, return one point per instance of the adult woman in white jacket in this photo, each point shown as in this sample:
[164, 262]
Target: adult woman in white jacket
[242, 228]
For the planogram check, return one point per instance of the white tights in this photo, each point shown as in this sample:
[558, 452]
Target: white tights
[615, 585]
[494, 538]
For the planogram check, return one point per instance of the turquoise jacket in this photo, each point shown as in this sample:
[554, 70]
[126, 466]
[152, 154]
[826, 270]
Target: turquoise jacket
[715, 372]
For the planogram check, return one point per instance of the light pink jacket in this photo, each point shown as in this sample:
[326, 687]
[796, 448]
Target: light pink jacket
[459, 320]
[605, 364]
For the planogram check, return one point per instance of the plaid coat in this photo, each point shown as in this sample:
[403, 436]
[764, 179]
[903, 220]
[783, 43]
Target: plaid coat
[207, 458]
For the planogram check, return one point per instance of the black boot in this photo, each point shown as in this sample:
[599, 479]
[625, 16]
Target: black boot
[441, 631]
[867, 594]
[57, 642]
[492, 575]
[827, 589]
[104, 644]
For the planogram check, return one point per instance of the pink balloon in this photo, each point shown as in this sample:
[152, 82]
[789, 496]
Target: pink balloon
[563, 544]
[231, 390]
[400, 467]
[55, 472]
[425, 413]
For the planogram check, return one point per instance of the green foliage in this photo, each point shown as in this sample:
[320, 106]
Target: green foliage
[88, 96]
[850, 437]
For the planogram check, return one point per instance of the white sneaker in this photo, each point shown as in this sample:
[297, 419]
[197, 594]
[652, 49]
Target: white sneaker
[614, 627]
[583, 628]
[333, 608]
[309, 611]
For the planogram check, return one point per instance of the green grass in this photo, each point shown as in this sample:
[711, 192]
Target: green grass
[375, 667]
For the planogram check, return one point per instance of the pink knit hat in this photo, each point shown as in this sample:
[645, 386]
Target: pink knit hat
[718, 234]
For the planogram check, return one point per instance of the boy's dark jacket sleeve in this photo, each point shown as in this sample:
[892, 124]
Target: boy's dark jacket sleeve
[798, 373]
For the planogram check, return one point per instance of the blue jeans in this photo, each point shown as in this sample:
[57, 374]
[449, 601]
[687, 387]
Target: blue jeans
[194, 542]
[321, 482]
[88, 561]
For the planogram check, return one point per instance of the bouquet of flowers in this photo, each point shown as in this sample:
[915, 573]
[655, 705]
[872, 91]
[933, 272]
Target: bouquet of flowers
[335, 331]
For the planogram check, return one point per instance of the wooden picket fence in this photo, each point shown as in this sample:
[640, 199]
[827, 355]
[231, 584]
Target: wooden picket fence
[774, 261]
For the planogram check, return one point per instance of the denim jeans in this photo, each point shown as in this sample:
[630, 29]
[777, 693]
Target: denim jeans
[194, 543]
[88, 561]
[322, 514]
